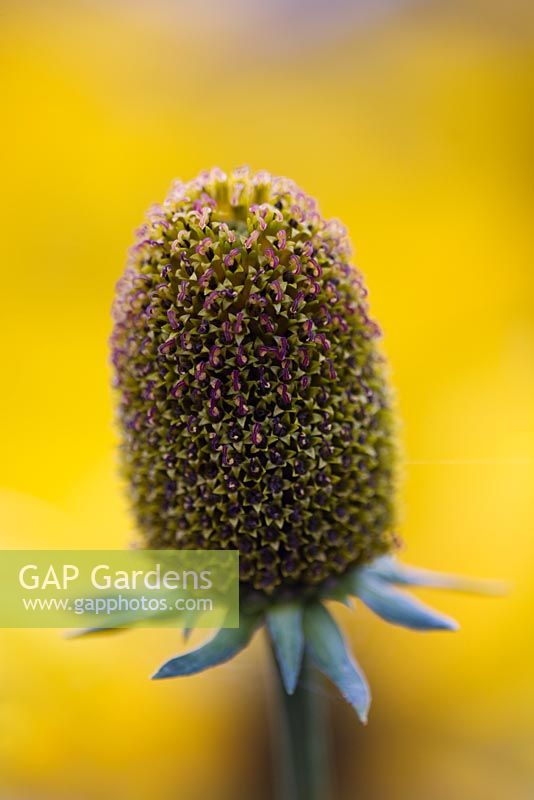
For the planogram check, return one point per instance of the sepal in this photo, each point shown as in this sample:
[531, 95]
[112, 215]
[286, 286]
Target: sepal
[398, 607]
[328, 650]
[284, 623]
[224, 645]
[388, 569]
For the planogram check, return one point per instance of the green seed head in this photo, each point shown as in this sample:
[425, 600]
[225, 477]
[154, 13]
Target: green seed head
[252, 398]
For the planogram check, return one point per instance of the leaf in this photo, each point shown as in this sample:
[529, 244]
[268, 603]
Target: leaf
[387, 568]
[328, 650]
[398, 607]
[284, 623]
[226, 644]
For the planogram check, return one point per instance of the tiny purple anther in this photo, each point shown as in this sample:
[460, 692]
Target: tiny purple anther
[325, 344]
[236, 194]
[203, 216]
[173, 322]
[342, 324]
[256, 299]
[227, 461]
[295, 261]
[250, 240]
[264, 350]
[205, 277]
[191, 424]
[267, 323]
[178, 388]
[308, 328]
[211, 299]
[137, 422]
[200, 371]
[203, 246]
[213, 411]
[230, 258]
[326, 313]
[167, 346]
[272, 258]
[215, 441]
[304, 357]
[317, 269]
[258, 275]
[182, 294]
[242, 409]
[148, 391]
[238, 324]
[285, 373]
[264, 383]
[216, 389]
[257, 437]
[241, 358]
[236, 383]
[331, 370]
[230, 234]
[284, 394]
[259, 213]
[299, 297]
[227, 331]
[279, 295]
[215, 358]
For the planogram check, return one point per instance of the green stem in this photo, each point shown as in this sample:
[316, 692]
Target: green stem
[302, 741]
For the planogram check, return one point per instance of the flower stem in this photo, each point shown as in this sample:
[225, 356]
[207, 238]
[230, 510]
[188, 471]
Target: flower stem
[302, 743]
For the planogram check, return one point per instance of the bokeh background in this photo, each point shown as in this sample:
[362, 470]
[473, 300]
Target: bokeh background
[411, 121]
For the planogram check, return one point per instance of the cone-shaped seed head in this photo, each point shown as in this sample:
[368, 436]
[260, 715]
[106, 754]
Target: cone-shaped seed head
[252, 399]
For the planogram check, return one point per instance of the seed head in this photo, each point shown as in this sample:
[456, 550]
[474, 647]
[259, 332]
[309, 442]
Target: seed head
[252, 397]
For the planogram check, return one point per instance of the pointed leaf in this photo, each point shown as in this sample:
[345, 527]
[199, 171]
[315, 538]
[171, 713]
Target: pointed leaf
[226, 643]
[284, 623]
[389, 569]
[398, 607]
[328, 650]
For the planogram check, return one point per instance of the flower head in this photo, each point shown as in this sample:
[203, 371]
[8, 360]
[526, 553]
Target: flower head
[252, 396]
[255, 415]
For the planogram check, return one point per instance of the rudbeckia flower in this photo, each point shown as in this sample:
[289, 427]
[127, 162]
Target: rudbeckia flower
[256, 414]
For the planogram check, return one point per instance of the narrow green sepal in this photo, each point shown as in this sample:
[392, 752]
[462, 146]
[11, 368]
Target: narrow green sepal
[398, 607]
[284, 623]
[226, 644]
[328, 650]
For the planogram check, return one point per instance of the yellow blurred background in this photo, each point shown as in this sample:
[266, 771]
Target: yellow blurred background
[413, 123]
